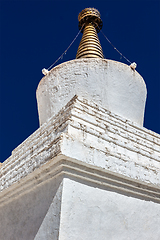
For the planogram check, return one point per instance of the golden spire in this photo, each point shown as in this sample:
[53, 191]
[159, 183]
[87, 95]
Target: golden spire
[90, 23]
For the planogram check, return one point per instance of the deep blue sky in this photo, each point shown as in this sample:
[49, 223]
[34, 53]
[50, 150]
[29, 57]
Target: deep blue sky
[33, 34]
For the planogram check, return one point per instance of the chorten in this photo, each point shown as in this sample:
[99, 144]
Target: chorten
[112, 85]
[91, 171]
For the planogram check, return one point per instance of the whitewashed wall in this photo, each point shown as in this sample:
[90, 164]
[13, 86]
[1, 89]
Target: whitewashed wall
[85, 174]
[110, 84]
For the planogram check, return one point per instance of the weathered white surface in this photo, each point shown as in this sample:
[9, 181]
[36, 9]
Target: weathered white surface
[49, 228]
[88, 133]
[112, 85]
[94, 213]
[78, 206]
[24, 215]
[86, 168]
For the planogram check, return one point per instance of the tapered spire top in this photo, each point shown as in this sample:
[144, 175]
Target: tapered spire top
[90, 23]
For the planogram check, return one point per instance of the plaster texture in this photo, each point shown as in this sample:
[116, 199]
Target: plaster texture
[112, 85]
[84, 131]
[25, 215]
[94, 213]
[86, 173]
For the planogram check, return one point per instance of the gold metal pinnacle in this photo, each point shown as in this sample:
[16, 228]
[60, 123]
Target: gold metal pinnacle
[90, 24]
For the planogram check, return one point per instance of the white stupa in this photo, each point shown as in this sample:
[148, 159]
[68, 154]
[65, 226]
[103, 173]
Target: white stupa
[91, 171]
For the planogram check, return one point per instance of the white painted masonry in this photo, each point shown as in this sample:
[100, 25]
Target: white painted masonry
[94, 213]
[86, 173]
[91, 134]
[112, 85]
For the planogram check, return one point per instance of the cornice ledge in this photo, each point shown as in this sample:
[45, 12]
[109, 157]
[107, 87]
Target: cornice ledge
[96, 130]
[62, 167]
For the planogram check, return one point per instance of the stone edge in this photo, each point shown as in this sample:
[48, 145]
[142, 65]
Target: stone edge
[64, 167]
[22, 153]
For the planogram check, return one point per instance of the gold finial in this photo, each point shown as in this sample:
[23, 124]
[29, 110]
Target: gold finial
[90, 23]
